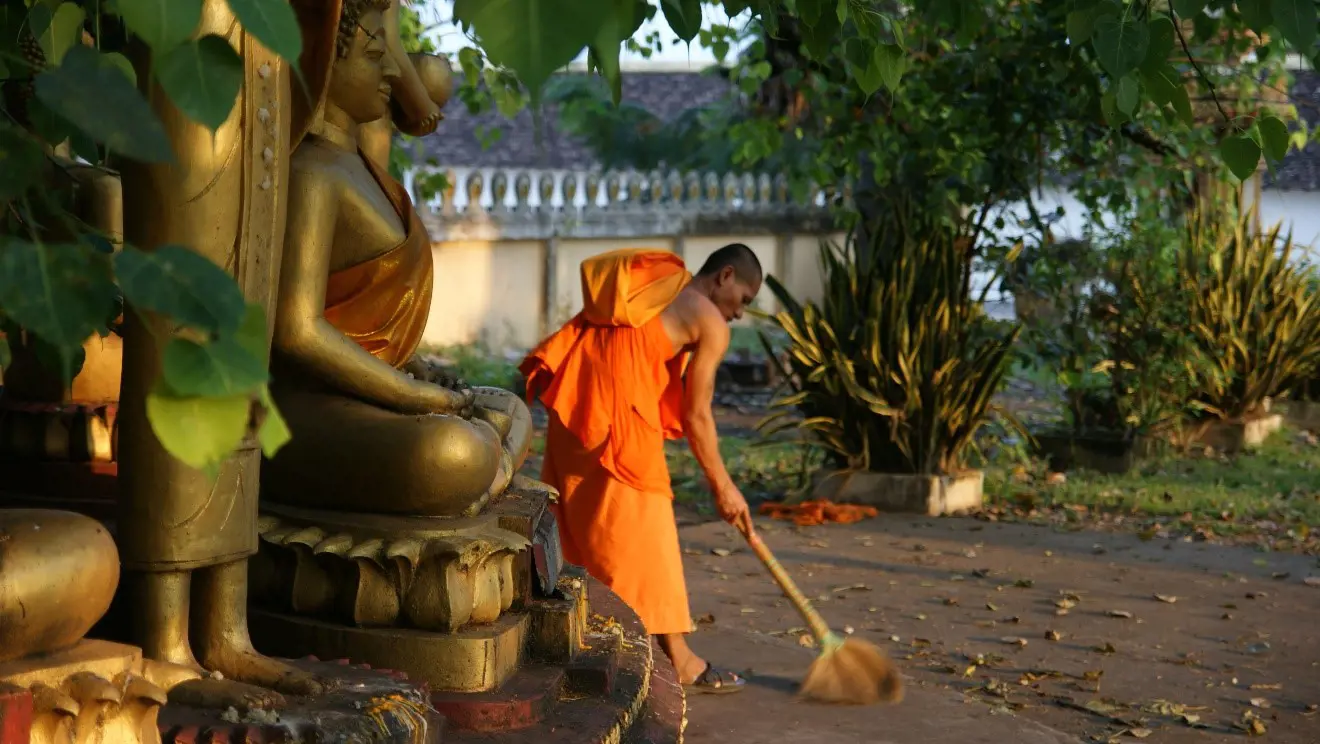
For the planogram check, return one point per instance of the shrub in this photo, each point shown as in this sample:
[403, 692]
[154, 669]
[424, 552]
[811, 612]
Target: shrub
[1253, 314]
[895, 370]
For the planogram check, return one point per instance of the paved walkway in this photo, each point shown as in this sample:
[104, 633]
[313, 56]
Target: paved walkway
[1004, 630]
[767, 712]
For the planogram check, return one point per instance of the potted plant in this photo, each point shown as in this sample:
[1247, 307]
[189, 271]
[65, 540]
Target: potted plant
[894, 372]
[1255, 322]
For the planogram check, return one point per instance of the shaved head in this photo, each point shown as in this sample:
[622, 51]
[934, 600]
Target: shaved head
[746, 266]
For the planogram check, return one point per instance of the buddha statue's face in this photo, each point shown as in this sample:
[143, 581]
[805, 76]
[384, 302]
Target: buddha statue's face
[360, 81]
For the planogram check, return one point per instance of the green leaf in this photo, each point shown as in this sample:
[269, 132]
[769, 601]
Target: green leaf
[823, 38]
[216, 369]
[90, 90]
[62, 293]
[183, 285]
[6, 357]
[1241, 154]
[123, 65]
[892, 63]
[862, 60]
[622, 19]
[1109, 109]
[1080, 23]
[1120, 44]
[1256, 13]
[1165, 87]
[200, 432]
[1127, 94]
[1296, 20]
[48, 125]
[684, 17]
[1274, 137]
[202, 77]
[22, 161]
[274, 24]
[273, 433]
[1188, 8]
[1162, 40]
[62, 33]
[161, 23]
[534, 38]
[253, 333]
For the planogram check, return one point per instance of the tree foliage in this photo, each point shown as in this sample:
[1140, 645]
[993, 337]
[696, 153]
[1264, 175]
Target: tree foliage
[823, 79]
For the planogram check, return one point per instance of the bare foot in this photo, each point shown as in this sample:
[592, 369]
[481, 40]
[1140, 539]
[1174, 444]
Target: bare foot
[246, 665]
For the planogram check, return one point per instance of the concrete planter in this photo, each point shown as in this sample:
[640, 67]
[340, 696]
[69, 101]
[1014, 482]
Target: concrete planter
[1304, 414]
[1238, 436]
[932, 495]
[1114, 455]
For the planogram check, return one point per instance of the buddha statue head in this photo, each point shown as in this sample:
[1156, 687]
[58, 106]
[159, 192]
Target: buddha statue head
[361, 75]
[346, 64]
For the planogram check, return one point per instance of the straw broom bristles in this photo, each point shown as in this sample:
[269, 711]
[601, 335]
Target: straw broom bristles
[851, 671]
[848, 670]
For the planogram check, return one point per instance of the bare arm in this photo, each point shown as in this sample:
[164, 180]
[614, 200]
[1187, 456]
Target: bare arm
[699, 417]
[306, 338]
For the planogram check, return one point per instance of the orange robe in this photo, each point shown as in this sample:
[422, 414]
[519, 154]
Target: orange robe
[383, 303]
[613, 385]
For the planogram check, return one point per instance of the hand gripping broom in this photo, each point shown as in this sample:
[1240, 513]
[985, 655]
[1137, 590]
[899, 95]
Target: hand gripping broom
[848, 670]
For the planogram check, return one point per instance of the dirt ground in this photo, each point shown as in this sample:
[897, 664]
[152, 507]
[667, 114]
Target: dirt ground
[1101, 637]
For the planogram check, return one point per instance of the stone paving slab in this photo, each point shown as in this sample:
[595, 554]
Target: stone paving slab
[768, 712]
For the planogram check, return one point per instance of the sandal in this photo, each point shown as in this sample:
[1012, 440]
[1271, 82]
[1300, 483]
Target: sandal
[713, 681]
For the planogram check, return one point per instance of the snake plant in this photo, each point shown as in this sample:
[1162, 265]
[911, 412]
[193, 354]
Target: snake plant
[1253, 313]
[896, 368]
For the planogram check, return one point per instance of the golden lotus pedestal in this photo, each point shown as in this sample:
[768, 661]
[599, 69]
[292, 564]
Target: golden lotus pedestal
[479, 615]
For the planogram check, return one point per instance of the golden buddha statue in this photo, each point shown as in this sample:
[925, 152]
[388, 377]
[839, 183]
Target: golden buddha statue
[372, 430]
[185, 539]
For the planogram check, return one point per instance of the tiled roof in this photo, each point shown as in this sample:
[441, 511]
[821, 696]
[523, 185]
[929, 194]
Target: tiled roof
[457, 144]
[1300, 171]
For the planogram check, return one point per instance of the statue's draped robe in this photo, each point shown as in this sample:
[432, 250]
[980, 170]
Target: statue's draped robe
[383, 303]
[613, 385]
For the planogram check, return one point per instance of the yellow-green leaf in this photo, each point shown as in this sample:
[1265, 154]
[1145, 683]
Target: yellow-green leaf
[200, 432]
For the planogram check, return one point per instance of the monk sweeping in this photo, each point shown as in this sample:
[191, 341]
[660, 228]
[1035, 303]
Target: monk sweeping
[634, 368]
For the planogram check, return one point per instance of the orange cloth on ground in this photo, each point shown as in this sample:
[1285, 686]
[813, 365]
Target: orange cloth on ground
[383, 303]
[613, 386]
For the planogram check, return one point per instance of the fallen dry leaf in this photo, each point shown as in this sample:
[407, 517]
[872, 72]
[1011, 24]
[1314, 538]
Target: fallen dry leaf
[1053, 635]
[1108, 648]
[1122, 614]
[950, 601]
[1166, 598]
[1312, 581]
[1139, 733]
[1065, 603]
[749, 610]
[721, 552]
[1260, 703]
[851, 588]
[1014, 641]
[1024, 583]
[706, 619]
[990, 606]
[1262, 686]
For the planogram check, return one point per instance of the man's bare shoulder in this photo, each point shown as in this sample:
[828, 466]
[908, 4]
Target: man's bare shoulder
[692, 318]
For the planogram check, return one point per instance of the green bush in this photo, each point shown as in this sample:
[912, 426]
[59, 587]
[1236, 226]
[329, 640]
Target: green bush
[1253, 314]
[896, 369]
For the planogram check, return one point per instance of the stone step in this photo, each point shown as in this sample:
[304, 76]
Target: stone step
[663, 718]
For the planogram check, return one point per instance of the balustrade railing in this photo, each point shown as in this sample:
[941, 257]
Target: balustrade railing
[492, 192]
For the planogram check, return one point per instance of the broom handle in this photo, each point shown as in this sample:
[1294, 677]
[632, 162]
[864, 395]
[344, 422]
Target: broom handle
[819, 627]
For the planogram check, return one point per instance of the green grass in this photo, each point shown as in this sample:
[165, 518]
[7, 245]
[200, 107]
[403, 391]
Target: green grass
[478, 366]
[763, 471]
[1278, 484]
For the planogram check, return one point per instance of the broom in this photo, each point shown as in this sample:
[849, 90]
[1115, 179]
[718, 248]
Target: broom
[848, 670]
